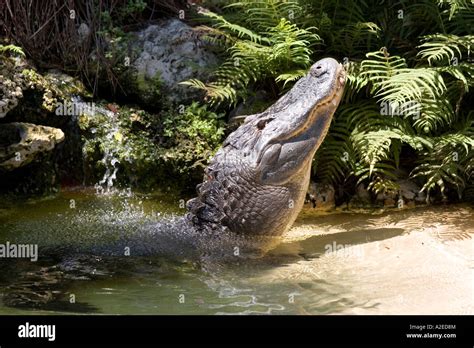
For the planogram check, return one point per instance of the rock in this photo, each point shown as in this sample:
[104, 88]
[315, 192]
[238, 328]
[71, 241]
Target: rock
[386, 195]
[389, 202]
[169, 53]
[30, 162]
[25, 142]
[412, 192]
[10, 93]
[388, 199]
[12, 83]
[361, 199]
[420, 197]
[408, 189]
[322, 196]
[362, 193]
[65, 86]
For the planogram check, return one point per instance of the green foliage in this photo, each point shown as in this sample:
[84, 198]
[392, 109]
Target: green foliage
[275, 49]
[415, 110]
[406, 111]
[393, 82]
[450, 161]
[12, 49]
[178, 144]
[194, 133]
[444, 47]
[133, 7]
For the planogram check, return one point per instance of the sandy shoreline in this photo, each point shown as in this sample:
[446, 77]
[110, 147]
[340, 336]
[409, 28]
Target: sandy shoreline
[411, 262]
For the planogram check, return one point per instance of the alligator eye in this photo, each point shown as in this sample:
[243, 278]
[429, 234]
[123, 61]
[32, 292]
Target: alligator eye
[262, 123]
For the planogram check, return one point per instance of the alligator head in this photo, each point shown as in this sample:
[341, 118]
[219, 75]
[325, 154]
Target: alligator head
[257, 181]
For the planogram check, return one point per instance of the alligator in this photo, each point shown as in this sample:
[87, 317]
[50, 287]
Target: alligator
[255, 185]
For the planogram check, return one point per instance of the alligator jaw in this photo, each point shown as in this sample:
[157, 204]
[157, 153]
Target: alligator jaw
[304, 129]
[328, 104]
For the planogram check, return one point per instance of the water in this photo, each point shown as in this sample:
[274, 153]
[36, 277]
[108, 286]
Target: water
[416, 261]
[112, 135]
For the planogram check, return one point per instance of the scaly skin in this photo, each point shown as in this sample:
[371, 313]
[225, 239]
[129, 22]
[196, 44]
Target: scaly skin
[256, 183]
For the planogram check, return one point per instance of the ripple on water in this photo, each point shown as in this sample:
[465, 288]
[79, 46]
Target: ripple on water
[408, 262]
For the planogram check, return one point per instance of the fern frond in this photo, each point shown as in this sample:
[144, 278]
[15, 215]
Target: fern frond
[411, 84]
[216, 93]
[448, 162]
[291, 76]
[381, 67]
[374, 147]
[381, 184]
[463, 72]
[438, 175]
[435, 113]
[241, 32]
[283, 53]
[12, 49]
[380, 169]
[356, 37]
[263, 14]
[393, 82]
[455, 6]
[439, 47]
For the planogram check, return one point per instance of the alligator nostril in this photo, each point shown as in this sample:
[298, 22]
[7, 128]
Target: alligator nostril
[318, 70]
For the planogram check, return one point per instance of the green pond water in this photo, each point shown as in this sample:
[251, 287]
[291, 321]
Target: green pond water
[417, 261]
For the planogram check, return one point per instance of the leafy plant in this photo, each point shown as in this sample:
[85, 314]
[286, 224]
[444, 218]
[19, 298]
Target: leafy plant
[194, 134]
[277, 50]
[406, 109]
[11, 49]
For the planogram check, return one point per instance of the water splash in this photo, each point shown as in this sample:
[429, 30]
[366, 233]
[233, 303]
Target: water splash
[112, 136]
[77, 107]
[110, 158]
